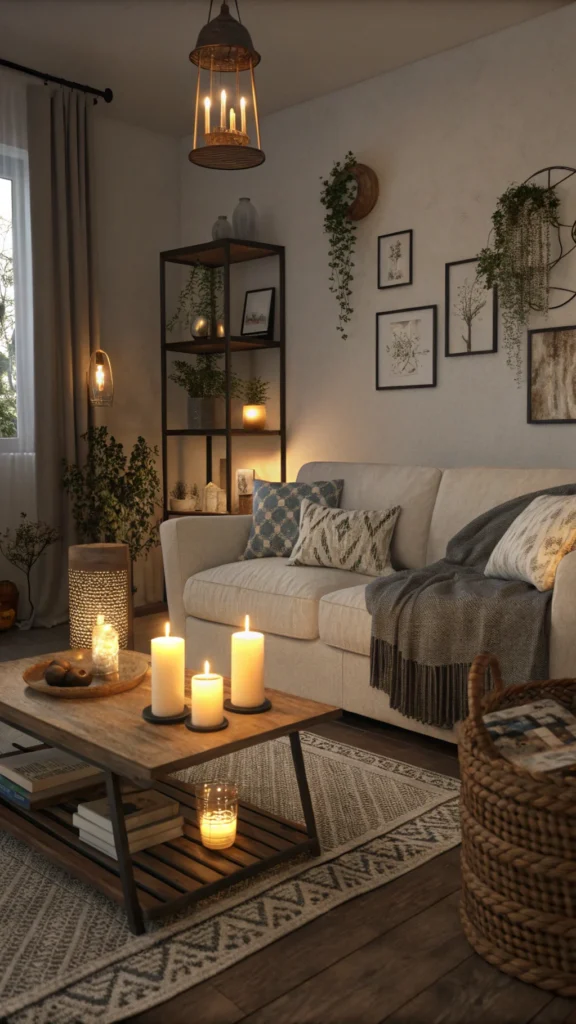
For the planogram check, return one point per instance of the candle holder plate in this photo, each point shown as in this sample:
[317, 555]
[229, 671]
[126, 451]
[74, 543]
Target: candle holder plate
[148, 716]
[206, 728]
[237, 710]
[132, 669]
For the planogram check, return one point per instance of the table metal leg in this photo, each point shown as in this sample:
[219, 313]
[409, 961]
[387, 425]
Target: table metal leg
[304, 790]
[132, 906]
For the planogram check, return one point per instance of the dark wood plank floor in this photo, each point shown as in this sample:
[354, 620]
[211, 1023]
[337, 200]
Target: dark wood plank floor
[396, 955]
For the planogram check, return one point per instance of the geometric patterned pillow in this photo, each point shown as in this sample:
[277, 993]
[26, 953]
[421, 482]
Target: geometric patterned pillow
[276, 514]
[536, 542]
[342, 539]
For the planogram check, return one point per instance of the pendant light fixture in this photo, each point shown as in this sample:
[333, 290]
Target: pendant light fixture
[100, 382]
[226, 122]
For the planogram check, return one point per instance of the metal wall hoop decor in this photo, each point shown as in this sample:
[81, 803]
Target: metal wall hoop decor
[565, 173]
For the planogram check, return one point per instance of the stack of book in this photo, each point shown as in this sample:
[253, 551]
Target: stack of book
[151, 818]
[41, 776]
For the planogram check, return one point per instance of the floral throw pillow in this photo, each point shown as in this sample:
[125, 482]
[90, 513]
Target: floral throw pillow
[536, 542]
[276, 514]
[344, 539]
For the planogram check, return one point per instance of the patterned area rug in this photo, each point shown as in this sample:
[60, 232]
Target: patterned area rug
[67, 954]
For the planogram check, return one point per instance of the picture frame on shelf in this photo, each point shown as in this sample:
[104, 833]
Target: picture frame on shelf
[551, 372]
[258, 313]
[395, 259]
[406, 348]
[245, 490]
[471, 312]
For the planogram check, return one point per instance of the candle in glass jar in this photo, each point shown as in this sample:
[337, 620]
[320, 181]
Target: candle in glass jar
[104, 648]
[254, 417]
[167, 674]
[247, 676]
[207, 698]
[218, 829]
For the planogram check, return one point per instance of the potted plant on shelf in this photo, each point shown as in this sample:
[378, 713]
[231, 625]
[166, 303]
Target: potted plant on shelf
[205, 383]
[255, 393]
[199, 311]
[181, 499]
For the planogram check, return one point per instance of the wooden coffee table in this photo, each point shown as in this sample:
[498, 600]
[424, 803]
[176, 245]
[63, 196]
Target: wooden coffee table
[111, 734]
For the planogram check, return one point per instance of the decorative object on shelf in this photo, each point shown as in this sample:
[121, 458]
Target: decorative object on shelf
[406, 342]
[205, 383]
[245, 221]
[221, 140]
[24, 547]
[471, 311]
[348, 194]
[200, 328]
[518, 261]
[222, 228]
[220, 329]
[99, 583]
[551, 375]
[221, 505]
[395, 260]
[8, 604]
[207, 704]
[100, 380]
[210, 498]
[254, 411]
[104, 648]
[168, 671]
[181, 499]
[200, 304]
[247, 672]
[258, 313]
[133, 668]
[245, 490]
[217, 808]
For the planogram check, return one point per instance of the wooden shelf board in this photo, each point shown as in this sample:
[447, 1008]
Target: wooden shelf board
[237, 344]
[221, 432]
[213, 254]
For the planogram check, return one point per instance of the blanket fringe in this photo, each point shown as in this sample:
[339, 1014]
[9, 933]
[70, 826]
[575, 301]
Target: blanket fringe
[433, 694]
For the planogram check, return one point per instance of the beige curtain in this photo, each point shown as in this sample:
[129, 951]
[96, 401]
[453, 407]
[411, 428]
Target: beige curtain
[65, 314]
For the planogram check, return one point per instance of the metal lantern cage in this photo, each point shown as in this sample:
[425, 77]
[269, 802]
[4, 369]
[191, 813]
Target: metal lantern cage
[226, 109]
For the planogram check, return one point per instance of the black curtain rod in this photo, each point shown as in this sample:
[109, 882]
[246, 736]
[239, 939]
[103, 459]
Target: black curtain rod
[106, 94]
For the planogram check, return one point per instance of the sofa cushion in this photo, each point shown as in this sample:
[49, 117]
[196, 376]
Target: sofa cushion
[340, 538]
[276, 515]
[536, 542]
[344, 620]
[279, 598]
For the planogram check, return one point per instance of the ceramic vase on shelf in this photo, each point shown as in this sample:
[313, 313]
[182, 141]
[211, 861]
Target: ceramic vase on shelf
[222, 228]
[245, 221]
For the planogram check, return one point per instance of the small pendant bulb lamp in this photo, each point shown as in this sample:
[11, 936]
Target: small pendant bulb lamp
[100, 382]
[226, 111]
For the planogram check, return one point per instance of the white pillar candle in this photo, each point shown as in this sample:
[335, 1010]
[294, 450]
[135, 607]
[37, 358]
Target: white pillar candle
[247, 679]
[243, 115]
[167, 674]
[223, 108]
[104, 648]
[207, 698]
[207, 115]
[232, 119]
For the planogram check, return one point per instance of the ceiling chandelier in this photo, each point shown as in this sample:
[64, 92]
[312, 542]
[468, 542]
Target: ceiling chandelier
[226, 110]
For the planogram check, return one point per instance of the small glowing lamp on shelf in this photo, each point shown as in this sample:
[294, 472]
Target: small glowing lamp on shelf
[254, 417]
[100, 382]
[217, 806]
[104, 648]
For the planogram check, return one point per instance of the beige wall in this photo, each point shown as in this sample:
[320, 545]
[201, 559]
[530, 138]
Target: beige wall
[446, 136]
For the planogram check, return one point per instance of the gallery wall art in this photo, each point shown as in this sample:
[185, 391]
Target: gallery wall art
[552, 375]
[395, 260]
[406, 343]
[471, 312]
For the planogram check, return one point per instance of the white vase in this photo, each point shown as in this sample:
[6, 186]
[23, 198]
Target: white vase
[244, 221]
[222, 228]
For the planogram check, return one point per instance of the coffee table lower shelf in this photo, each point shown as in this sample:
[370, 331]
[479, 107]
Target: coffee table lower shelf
[172, 875]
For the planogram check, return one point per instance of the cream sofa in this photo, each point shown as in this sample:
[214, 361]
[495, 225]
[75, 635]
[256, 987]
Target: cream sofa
[318, 641]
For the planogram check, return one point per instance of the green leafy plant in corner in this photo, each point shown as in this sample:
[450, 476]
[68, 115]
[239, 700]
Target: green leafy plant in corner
[205, 378]
[115, 497]
[518, 260]
[23, 548]
[202, 295]
[256, 391]
[339, 190]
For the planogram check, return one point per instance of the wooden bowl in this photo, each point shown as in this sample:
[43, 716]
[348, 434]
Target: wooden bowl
[132, 668]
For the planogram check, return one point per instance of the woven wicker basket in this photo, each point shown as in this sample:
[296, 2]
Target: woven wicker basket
[518, 845]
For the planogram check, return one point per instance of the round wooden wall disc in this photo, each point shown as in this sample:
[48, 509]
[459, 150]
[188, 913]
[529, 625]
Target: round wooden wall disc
[368, 191]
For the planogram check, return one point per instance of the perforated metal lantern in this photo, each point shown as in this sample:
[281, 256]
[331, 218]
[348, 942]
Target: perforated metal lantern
[99, 583]
[226, 122]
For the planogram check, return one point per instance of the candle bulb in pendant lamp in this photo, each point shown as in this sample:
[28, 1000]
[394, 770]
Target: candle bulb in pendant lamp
[247, 676]
[243, 115]
[207, 699]
[167, 675]
[223, 108]
[207, 115]
[232, 119]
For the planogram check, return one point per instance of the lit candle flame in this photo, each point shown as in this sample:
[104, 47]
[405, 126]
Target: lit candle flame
[206, 668]
[247, 623]
[167, 629]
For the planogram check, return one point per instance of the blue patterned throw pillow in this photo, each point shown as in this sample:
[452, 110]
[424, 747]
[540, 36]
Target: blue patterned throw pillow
[276, 514]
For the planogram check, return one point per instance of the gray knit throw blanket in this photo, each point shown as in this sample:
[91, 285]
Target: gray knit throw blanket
[429, 624]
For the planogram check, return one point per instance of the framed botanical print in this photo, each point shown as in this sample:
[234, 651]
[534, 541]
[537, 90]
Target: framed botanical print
[406, 343]
[258, 314]
[395, 259]
[552, 375]
[471, 325]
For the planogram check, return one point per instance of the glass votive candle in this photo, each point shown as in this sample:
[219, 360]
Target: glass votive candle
[104, 648]
[217, 807]
[254, 417]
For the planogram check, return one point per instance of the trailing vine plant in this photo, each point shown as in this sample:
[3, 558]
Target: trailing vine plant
[338, 192]
[518, 261]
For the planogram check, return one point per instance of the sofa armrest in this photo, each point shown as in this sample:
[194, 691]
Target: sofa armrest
[563, 620]
[191, 544]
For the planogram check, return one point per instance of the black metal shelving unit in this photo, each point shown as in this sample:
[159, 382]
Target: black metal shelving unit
[223, 253]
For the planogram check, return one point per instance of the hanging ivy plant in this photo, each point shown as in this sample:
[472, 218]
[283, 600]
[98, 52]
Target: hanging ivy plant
[518, 261]
[338, 192]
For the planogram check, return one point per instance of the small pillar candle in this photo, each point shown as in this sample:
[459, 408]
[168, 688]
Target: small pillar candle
[167, 674]
[207, 698]
[254, 417]
[210, 502]
[207, 115]
[232, 119]
[223, 108]
[247, 676]
[217, 808]
[104, 648]
[243, 115]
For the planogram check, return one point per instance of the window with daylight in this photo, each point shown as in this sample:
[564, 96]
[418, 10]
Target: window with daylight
[8, 374]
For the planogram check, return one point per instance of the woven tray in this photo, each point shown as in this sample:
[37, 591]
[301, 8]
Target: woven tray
[518, 844]
[132, 668]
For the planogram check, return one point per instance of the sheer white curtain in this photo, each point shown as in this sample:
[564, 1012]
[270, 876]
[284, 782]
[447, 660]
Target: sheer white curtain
[17, 459]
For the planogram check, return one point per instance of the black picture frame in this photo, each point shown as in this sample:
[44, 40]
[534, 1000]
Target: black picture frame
[565, 378]
[395, 312]
[268, 333]
[447, 300]
[394, 234]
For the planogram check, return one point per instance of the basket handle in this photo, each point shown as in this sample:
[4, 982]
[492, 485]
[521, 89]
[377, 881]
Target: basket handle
[477, 690]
